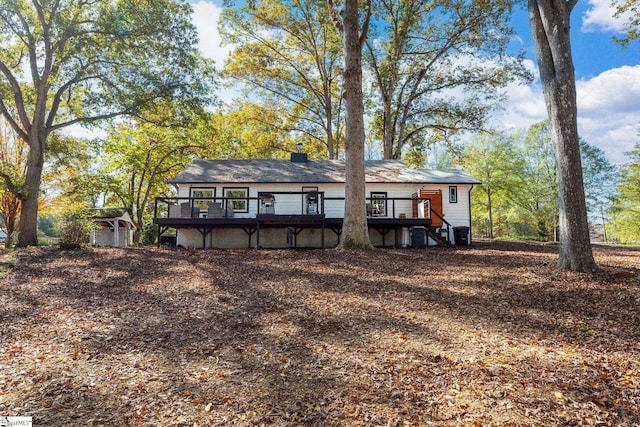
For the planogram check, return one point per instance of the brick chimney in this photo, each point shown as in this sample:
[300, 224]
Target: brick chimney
[299, 157]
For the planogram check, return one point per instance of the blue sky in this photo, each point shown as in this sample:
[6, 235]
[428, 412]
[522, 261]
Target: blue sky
[607, 81]
[591, 38]
[607, 76]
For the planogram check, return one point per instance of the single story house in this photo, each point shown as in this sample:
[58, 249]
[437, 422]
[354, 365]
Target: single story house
[112, 227]
[300, 203]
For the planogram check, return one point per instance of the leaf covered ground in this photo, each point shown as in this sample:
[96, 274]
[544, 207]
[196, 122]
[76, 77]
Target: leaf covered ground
[487, 335]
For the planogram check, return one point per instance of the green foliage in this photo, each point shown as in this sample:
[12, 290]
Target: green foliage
[106, 58]
[498, 163]
[518, 195]
[542, 230]
[75, 230]
[420, 52]
[290, 55]
[415, 158]
[625, 210]
[80, 62]
[49, 225]
[538, 193]
[246, 131]
[67, 161]
[149, 234]
[138, 159]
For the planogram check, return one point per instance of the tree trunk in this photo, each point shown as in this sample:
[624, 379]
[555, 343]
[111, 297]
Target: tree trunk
[387, 134]
[330, 143]
[28, 226]
[9, 211]
[328, 111]
[137, 233]
[490, 210]
[549, 21]
[138, 220]
[355, 231]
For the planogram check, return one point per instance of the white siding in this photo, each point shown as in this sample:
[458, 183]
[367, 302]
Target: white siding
[104, 237]
[397, 207]
[457, 214]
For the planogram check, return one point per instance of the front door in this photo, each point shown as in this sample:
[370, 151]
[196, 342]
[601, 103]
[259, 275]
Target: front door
[433, 209]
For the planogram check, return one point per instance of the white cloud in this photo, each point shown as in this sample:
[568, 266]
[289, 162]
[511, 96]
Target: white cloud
[525, 104]
[599, 17]
[613, 92]
[608, 111]
[205, 18]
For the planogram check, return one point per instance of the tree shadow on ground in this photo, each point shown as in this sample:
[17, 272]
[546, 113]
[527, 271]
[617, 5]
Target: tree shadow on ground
[310, 337]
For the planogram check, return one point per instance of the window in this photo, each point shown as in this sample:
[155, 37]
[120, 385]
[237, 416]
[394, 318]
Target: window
[207, 195]
[379, 203]
[424, 208]
[453, 194]
[236, 198]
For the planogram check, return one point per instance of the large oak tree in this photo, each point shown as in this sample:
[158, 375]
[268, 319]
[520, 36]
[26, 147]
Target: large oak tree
[290, 54]
[67, 62]
[439, 69]
[354, 27]
[549, 21]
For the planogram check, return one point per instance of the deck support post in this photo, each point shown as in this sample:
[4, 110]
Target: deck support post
[204, 231]
[250, 230]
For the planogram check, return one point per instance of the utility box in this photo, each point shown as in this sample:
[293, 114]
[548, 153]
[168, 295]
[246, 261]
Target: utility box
[418, 237]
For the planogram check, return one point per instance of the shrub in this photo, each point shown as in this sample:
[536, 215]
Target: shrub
[149, 234]
[75, 230]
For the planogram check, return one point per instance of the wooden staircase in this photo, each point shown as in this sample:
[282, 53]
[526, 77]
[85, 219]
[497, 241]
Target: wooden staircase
[428, 204]
[436, 234]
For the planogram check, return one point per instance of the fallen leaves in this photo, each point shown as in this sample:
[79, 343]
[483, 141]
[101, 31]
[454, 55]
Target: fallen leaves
[488, 335]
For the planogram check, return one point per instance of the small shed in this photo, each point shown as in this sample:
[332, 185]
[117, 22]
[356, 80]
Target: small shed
[112, 227]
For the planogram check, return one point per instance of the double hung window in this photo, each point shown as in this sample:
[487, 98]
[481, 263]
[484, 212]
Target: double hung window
[237, 199]
[453, 194]
[379, 203]
[207, 195]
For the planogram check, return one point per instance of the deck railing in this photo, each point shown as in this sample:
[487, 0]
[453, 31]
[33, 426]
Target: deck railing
[387, 207]
[446, 227]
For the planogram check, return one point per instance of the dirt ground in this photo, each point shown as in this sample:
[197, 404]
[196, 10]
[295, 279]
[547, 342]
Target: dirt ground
[487, 335]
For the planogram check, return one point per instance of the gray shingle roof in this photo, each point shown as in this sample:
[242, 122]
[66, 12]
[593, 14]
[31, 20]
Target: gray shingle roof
[323, 171]
[109, 212]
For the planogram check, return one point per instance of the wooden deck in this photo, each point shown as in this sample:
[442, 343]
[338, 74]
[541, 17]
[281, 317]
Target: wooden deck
[293, 224]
